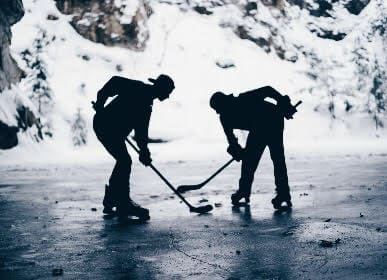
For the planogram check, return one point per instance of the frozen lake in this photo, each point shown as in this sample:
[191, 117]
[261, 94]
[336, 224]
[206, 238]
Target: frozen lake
[47, 222]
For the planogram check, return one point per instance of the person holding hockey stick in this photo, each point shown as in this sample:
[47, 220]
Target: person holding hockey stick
[129, 110]
[265, 123]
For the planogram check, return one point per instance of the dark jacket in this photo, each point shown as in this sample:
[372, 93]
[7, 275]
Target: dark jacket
[249, 111]
[130, 109]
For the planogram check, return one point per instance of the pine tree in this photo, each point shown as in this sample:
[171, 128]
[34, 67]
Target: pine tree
[378, 94]
[370, 71]
[40, 93]
[79, 129]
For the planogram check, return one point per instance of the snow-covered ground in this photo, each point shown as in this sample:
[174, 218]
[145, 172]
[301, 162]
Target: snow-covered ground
[187, 46]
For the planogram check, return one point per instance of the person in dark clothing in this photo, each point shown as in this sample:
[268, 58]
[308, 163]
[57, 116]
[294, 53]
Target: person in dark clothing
[129, 110]
[265, 123]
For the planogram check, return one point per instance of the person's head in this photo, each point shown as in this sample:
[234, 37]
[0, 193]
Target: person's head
[163, 86]
[219, 102]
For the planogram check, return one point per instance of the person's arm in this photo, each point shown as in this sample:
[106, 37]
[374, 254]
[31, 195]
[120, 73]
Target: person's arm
[234, 149]
[110, 89]
[267, 92]
[141, 130]
[272, 93]
[141, 137]
[283, 101]
[228, 131]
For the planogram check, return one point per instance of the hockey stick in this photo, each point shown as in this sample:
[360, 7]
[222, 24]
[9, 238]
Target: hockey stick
[200, 209]
[185, 188]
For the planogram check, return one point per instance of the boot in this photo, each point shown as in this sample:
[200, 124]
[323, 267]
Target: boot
[237, 196]
[109, 201]
[279, 199]
[130, 208]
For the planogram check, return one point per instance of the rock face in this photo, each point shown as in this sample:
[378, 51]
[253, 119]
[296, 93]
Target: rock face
[11, 11]
[263, 21]
[324, 8]
[327, 9]
[112, 23]
[8, 136]
[356, 6]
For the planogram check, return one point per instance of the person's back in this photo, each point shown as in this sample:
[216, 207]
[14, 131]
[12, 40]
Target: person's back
[249, 111]
[132, 104]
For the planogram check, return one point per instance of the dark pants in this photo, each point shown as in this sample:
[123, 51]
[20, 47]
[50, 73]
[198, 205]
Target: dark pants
[114, 143]
[256, 143]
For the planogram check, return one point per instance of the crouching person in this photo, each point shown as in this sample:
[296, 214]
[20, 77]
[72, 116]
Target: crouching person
[129, 110]
[265, 123]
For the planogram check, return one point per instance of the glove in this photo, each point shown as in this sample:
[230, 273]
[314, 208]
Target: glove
[145, 157]
[236, 151]
[286, 108]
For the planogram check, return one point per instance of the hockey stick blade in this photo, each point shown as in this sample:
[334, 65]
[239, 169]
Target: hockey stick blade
[202, 209]
[186, 188]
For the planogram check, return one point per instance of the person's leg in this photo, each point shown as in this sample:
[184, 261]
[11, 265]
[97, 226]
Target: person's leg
[114, 143]
[119, 179]
[119, 183]
[255, 145]
[277, 154]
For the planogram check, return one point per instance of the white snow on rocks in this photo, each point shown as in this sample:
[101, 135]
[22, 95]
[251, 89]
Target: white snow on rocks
[187, 45]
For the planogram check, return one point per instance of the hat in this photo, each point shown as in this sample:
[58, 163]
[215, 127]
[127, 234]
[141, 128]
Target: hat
[217, 99]
[163, 81]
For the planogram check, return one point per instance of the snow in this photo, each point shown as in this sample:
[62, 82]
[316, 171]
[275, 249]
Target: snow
[84, 21]
[186, 46]
[128, 9]
[8, 107]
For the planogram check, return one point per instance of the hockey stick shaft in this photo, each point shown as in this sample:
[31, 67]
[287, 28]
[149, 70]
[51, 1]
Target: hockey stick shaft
[161, 176]
[184, 188]
[217, 172]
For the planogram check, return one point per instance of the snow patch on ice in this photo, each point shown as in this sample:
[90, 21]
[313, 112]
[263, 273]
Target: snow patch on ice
[316, 231]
